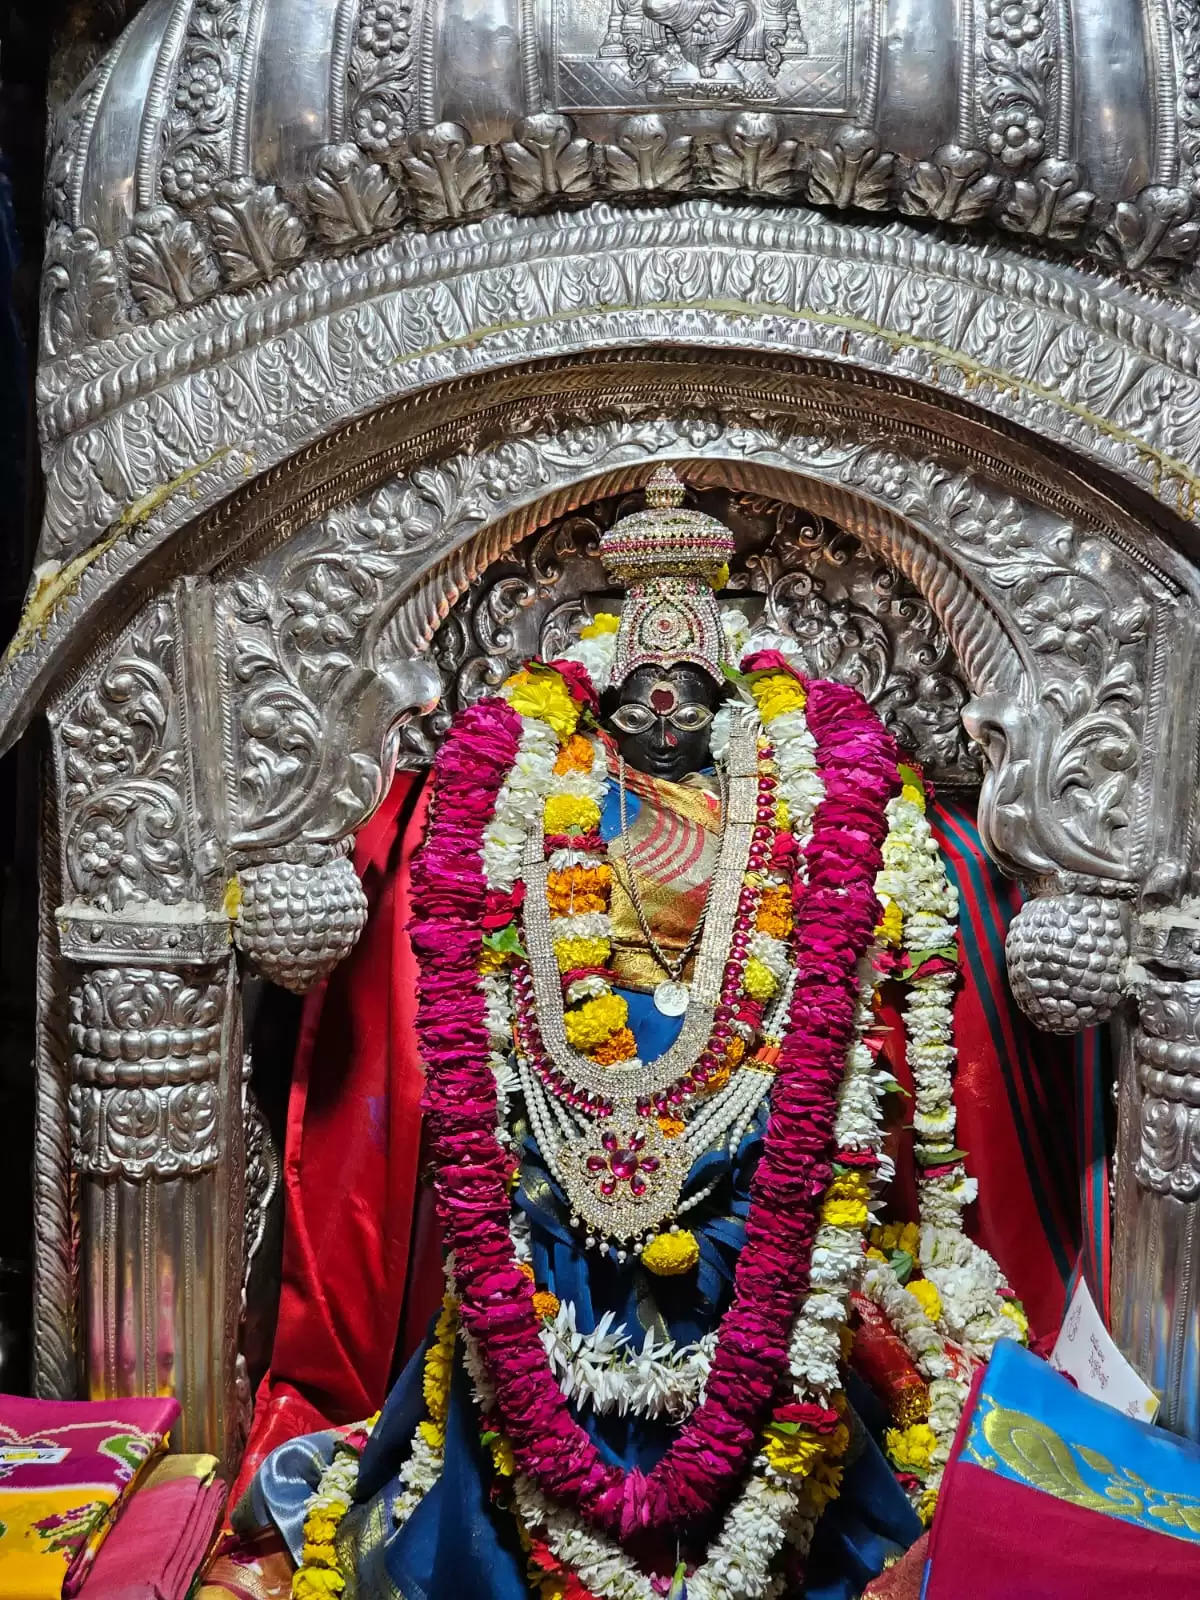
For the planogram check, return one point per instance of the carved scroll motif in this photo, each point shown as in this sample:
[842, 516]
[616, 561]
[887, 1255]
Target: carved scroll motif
[121, 776]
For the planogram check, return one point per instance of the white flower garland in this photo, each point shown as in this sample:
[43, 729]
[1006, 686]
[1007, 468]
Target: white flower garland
[605, 1370]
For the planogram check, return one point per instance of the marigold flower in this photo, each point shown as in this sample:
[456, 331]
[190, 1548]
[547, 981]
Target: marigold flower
[891, 925]
[316, 1583]
[931, 1301]
[540, 692]
[825, 1484]
[571, 891]
[619, 1046]
[793, 1453]
[672, 1127]
[913, 795]
[603, 622]
[905, 1236]
[545, 1304]
[671, 1254]
[776, 693]
[571, 954]
[503, 1460]
[911, 1448]
[927, 1505]
[844, 1213]
[593, 1021]
[718, 1080]
[576, 755]
[571, 813]
[734, 1051]
[758, 980]
[433, 1433]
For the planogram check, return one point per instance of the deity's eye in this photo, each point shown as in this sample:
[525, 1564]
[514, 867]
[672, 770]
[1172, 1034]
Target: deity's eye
[690, 719]
[633, 718]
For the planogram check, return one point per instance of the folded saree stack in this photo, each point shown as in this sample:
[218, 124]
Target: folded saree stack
[1049, 1493]
[90, 1504]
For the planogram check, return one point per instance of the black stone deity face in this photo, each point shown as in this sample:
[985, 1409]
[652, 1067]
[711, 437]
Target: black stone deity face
[662, 717]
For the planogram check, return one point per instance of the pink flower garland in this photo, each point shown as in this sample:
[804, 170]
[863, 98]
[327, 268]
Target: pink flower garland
[836, 913]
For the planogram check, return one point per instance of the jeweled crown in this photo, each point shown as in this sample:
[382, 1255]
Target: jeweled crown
[668, 559]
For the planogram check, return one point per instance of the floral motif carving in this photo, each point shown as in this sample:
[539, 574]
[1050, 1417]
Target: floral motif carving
[1090, 678]
[169, 263]
[299, 647]
[1018, 62]
[753, 157]
[195, 151]
[646, 158]
[144, 1097]
[81, 291]
[1167, 1052]
[255, 231]
[1153, 234]
[379, 77]
[954, 185]
[1053, 202]
[121, 773]
[1185, 21]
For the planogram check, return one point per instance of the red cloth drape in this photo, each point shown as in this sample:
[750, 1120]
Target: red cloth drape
[351, 1159]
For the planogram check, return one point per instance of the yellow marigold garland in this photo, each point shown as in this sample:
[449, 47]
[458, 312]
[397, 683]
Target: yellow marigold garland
[603, 622]
[319, 1577]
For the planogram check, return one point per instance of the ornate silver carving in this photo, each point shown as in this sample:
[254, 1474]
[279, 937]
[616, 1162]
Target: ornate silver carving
[635, 99]
[379, 77]
[352, 198]
[121, 776]
[146, 1061]
[1065, 955]
[1152, 234]
[262, 1178]
[297, 919]
[1167, 1051]
[299, 638]
[56, 1345]
[198, 122]
[1018, 63]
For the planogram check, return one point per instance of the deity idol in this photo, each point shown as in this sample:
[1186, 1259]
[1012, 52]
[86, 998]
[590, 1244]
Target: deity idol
[682, 1349]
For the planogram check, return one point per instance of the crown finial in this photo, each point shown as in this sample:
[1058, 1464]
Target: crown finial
[666, 490]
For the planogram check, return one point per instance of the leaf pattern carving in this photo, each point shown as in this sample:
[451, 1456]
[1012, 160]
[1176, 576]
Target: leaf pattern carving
[351, 197]
[255, 231]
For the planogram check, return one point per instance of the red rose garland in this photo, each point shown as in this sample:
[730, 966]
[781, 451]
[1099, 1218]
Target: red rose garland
[836, 913]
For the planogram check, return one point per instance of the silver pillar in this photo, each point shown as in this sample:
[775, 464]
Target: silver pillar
[156, 1144]
[1156, 1283]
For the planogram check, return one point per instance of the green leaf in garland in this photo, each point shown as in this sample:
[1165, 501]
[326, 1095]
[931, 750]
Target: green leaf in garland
[505, 941]
[902, 1265]
[911, 776]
